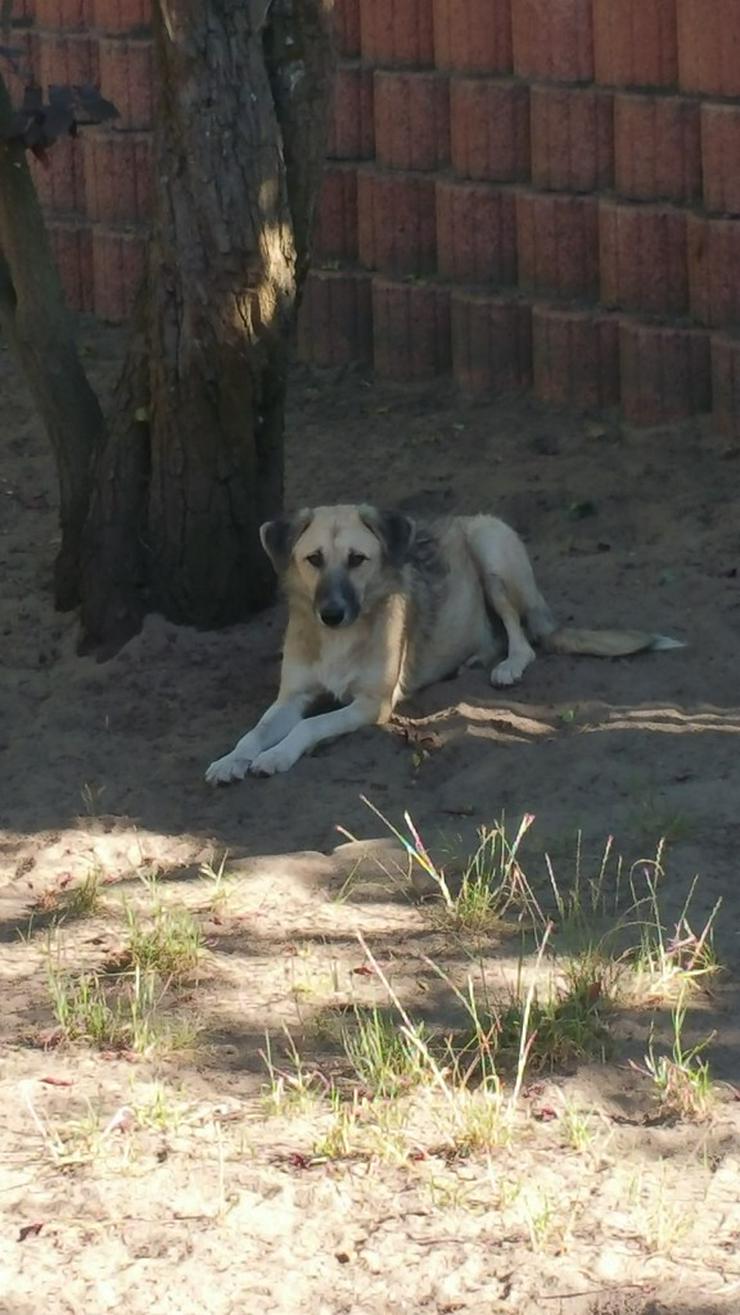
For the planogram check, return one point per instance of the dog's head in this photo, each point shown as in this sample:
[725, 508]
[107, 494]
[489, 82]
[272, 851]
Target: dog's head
[342, 558]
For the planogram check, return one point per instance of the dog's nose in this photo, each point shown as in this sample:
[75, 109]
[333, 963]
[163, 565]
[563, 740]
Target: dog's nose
[332, 614]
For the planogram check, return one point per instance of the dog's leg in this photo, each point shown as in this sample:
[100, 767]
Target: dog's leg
[521, 653]
[307, 734]
[279, 720]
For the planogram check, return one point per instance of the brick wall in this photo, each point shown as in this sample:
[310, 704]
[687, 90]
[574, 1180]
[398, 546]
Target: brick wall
[96, 189]
[524, 193]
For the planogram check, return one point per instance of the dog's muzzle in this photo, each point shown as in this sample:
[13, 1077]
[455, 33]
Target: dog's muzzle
[333, 616]
[336, 602]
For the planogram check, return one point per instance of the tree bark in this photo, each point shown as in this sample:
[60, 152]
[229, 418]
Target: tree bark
[115, 592]
[161, 508]
[39, 329]
[194, 461]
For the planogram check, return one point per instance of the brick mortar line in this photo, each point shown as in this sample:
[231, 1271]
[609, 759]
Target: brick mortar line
[513, 292]
[89, 34]
[531, 189]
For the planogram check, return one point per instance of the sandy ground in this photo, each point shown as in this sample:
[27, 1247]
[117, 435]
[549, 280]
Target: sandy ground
[202, 1200]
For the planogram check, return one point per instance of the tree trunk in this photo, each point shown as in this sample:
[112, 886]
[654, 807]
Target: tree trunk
[194, 459]
[115, 590]
[39, 329]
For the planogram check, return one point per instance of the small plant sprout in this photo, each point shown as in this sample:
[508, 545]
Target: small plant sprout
[385, 1059]
[155, 1108]
[578, 1126]
[681, 1080]
[83, 900]
[215, 874]
[417, 852]
[171, 944]
[583, 906]
[563, 1026]
[493, 883]
[121, 1013]
[339, 1140]
[480, 1120]
[471, 1059]
[664, 966]
[86, 1011]
[291, 1085]
[74, 1142]
[66, 902]
[91, 796]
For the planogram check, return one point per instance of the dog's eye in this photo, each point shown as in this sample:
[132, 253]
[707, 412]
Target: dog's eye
[356, 559]
[315, 559]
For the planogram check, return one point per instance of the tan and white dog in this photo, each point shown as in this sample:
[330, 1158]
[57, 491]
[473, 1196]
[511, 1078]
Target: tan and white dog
[380, 605]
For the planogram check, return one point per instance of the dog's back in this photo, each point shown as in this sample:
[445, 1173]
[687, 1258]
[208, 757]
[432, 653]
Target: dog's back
[447, 616]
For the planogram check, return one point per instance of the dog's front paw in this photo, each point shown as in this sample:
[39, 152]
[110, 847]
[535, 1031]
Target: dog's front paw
[272, 761]
[512, 669]
[232, 767]
[506, 673]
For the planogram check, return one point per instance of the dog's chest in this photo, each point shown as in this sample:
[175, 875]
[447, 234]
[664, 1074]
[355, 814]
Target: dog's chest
[337, 667]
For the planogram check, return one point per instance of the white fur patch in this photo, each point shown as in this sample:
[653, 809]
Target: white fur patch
[661, 643]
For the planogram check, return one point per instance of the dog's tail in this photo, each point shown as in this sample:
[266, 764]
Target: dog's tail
[545, 631]
[606, 643]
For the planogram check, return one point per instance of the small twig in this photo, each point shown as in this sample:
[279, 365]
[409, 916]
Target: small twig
[647, 1288]
[411, 1031]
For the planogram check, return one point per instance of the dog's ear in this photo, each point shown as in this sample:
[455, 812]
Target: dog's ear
[280, 536]
[395, 531]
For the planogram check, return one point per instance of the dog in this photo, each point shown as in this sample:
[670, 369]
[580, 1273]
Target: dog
[380, 606]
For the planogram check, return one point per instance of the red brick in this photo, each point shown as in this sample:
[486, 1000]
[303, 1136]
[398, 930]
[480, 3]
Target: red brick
[24, 14]
[66, 60]
[412, 120]
[118, 176]
[643, 258]
[113, 17]
[557, 240]
[665, 372]
[572, 139]
[71, 245]
[553, 40]
[18, 75]
[709, 46]
[397, 32]
[489, 129]
[127, 79]
[575, 358]
[411, 329]
[491, 342]
[473, 36]
[720, 147]
[61, 186]
[635, 43]
[34, 56]
[726, 383]
[346, 17]
[476, 232]
[714, 270]
[351, 130]
[396, 222]
[69, 15]
[118, 266]
[335, 234]
[335, 318]
[657, 148]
